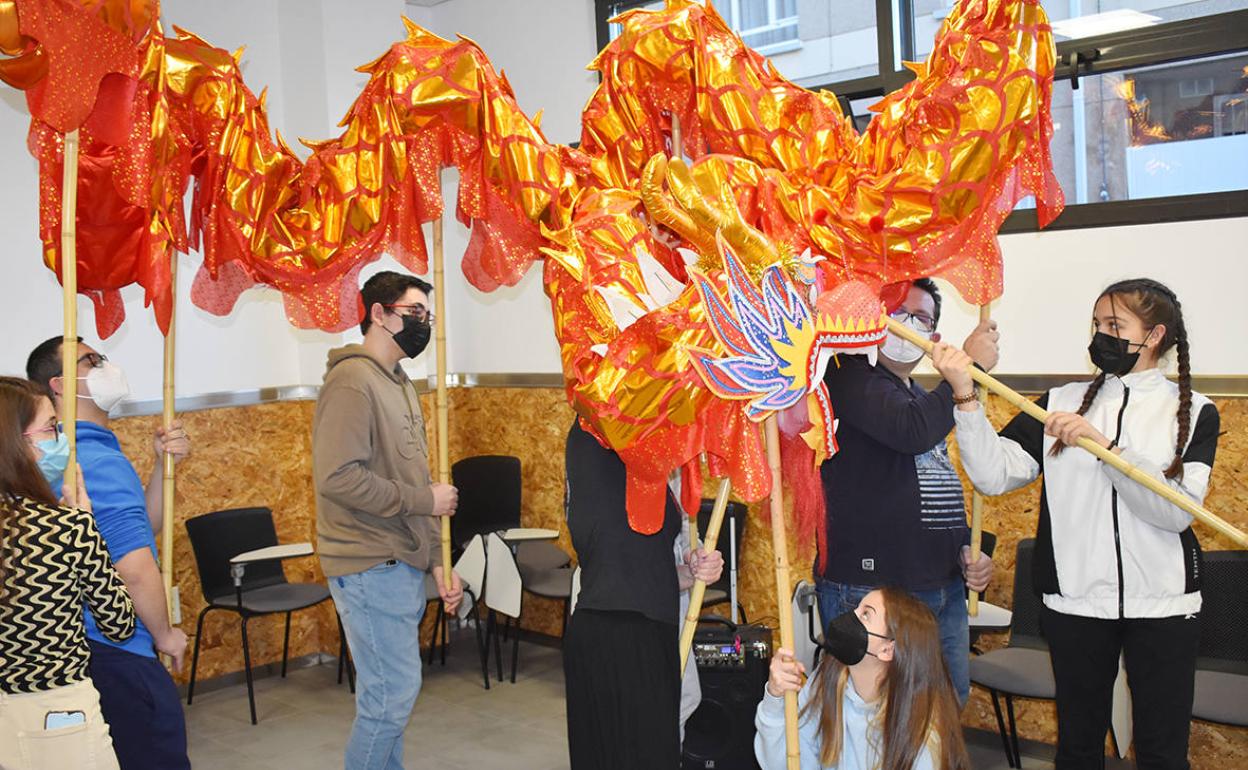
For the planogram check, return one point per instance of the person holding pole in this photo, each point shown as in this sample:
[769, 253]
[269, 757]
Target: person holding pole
[378, 510]
[880, 698]
[1117, 565]
[138, 697]
[895, 508]
[620, 655]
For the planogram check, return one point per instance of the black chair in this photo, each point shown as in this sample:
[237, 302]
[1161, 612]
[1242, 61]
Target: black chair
[253, 589]
[1022, 667]
[720, 591]
[489, 501]
[1222, 662]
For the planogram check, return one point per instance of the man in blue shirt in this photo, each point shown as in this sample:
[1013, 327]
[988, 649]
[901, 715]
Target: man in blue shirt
[137, 696]
[895, 506]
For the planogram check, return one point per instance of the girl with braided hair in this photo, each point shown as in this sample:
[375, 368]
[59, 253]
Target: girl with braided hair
[1118, 566]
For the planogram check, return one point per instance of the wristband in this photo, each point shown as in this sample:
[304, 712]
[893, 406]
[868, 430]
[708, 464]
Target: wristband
[959, 400]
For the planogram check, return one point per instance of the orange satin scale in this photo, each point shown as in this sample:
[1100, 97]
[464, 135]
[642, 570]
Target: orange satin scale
[780, 169]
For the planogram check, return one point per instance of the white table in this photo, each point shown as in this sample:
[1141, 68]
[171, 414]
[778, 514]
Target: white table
[273, 553]
[522, 534]
[990, 618]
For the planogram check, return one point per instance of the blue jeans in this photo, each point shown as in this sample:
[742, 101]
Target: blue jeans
[381, 609]
[948, 604]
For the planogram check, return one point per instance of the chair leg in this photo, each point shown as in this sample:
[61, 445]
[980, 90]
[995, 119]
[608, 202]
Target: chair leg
[1009, 709]
[342, 648]
[433, 639]
[515, 651]
[1005, 737]
[483, 651]
[446, 630]
[251, 694]
[199, 634]
[285, 645]
[498, 654]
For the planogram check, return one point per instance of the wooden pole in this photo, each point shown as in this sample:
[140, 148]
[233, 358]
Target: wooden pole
[780, 545]
[69, 284]
[440, 402]
[167, 485]
[677, 137]
[698, 592]
[977, 499]
[1025, 404]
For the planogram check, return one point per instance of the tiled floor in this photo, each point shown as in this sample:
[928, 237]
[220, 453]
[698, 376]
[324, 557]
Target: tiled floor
[457, 724]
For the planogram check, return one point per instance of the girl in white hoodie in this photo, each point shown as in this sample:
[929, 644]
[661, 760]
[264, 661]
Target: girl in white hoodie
[1118, 566]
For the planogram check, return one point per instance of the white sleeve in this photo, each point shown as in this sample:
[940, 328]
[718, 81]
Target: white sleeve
[994, 464]
[1151, 507]
[769, 740]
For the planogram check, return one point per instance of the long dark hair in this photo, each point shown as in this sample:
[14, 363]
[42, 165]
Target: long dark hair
[918, 699]
[1154, 303]
[19, 473]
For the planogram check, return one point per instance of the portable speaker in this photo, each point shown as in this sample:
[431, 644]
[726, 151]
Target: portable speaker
[732, 667]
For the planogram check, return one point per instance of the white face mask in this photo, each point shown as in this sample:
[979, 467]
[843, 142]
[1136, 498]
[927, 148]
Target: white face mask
[108, 385]
[903, 351]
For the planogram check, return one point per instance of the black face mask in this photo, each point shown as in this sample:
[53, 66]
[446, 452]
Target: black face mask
[414, 337]
[846, 638]
[1113, 355]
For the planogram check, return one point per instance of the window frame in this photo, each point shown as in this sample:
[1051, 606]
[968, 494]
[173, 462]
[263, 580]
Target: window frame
[1167, 43]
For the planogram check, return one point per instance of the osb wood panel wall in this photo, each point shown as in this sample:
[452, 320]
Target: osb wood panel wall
[260, 455]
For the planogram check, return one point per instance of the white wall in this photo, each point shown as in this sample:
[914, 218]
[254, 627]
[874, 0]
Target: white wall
[305, 51]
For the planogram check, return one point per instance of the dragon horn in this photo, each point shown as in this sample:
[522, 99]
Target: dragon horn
[745, 240]
[663, 212]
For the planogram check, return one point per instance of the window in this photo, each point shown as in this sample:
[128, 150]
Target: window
[1150, 99]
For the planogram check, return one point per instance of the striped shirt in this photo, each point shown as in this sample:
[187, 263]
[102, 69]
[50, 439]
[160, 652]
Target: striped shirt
[54, 563]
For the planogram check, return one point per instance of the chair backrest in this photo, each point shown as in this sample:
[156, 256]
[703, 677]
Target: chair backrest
[987, 542]
[805, 619]
[220, 536]
[735, 512]
[1025, 621]
[489, 496]
[1224, 612]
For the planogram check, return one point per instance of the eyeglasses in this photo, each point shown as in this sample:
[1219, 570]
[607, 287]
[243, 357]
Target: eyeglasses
[925, 323]
[55, 429]
[418, 311]
[95, 359]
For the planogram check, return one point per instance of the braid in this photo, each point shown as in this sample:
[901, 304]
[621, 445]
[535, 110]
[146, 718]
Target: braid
[1185, 391]
[1089, 396]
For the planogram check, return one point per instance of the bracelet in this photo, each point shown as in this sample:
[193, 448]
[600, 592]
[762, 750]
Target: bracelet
[959, 400]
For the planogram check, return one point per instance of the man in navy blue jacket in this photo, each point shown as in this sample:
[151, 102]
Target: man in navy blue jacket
[895, 506]
[137, 696]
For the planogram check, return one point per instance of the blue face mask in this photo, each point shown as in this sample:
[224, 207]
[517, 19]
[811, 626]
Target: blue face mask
[54, 460]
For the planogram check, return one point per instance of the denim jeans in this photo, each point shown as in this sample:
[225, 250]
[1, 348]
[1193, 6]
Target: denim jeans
[381, 609]
[948, 604]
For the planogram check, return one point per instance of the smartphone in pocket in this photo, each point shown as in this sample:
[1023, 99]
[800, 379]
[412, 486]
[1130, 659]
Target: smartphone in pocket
[55, 720]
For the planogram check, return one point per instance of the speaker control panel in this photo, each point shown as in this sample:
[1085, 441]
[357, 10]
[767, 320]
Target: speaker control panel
[722, 648]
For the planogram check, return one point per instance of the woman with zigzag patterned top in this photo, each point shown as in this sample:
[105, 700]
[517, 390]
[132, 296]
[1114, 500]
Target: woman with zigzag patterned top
[52, 561]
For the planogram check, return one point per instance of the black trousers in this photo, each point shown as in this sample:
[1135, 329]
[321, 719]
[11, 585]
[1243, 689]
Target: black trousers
[621, 672]
[1160, 658]
[142, 707]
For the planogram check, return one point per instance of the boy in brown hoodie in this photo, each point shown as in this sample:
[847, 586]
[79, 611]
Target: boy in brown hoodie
[376, 506]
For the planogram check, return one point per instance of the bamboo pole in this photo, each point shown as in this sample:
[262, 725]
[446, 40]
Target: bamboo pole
[698, 592]
[780, 545]
[977, 499]
[1025, 404]
[440, 402]
[677, 137]
[167, 482]
[69, 284]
